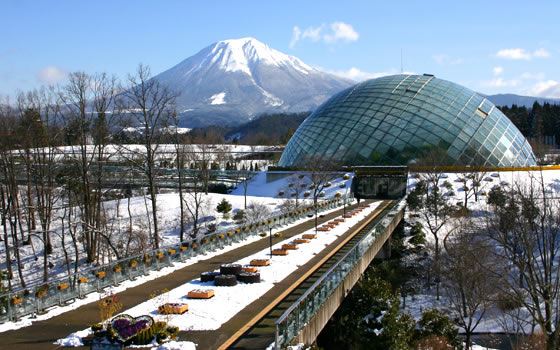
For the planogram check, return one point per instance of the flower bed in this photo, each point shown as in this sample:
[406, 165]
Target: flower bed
[62, 286]
[100, 274]
[42, 291]
[17, 300]
[249, 277]
[230, 269]
[117, 268]
[225, 280]
[83, 280]
[133, 263]
[208, 276]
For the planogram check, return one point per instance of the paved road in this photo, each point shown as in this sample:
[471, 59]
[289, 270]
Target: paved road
[42, 334]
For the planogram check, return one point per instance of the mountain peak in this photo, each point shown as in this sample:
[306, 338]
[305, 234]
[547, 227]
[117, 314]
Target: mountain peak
[244, 53]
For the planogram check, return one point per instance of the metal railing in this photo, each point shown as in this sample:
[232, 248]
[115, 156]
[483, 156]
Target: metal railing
[292, 321]
[64, 290]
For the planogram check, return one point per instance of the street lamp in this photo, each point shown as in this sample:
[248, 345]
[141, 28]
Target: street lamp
[270, 239]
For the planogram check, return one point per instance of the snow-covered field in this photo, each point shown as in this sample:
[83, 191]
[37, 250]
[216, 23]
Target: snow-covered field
[212, 313]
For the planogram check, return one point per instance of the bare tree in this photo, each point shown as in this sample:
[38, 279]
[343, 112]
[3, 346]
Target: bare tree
[320, 172]
[468, 282]
[88, 101]
[151, 105]
[526, 230]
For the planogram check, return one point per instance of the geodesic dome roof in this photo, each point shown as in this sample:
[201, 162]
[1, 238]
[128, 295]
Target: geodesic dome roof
[394, 119]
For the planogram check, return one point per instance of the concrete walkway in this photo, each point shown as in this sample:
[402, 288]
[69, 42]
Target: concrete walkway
[42, 334]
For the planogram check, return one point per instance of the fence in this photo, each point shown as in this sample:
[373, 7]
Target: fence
[292, 321]
[61, 291]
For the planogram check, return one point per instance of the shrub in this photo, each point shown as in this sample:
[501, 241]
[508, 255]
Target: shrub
[224, 207]
[239, 216]
[436, 323]
[418, 235]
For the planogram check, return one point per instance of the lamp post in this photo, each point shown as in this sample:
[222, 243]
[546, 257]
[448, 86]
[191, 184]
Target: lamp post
[270, 239]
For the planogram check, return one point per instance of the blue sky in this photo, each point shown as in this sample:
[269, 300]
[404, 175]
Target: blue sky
[488, 46]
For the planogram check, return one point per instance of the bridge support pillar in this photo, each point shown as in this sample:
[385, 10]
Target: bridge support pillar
[385, 251]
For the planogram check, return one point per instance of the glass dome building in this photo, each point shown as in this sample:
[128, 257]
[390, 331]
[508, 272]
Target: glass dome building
[393, 120]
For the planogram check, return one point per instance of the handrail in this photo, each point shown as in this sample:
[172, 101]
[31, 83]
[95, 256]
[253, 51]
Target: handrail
[393, 209]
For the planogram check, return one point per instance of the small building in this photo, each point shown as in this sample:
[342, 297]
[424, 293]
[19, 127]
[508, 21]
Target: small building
[379, 182]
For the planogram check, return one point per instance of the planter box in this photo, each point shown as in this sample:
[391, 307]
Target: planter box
[250, 269]
[260, 262]
[63, 286]
[173, 308]
[279, 252]
[100, 274]
[201, 294]
[309, 236]
[300, 240]
[83, 280]
[16, 300]
[323, 228]
[289, 246]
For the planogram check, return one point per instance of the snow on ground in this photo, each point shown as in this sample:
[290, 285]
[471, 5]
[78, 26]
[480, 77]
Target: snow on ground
[212, 313]
[176, 345]
[93, 297]
[259, 187]
[259, 191]
[494, 320]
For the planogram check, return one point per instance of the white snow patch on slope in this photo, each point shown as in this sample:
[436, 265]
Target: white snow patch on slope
[218, 99]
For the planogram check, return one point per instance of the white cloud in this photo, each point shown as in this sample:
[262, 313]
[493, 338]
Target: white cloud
[522, 54]
[331, 33]
[357, 74]
[533, 76]
[51, 75]
[498, 70]
[296, 35]
[341, 31]
[545, 88]
[541, 53]
[447, 60]
[501, 82]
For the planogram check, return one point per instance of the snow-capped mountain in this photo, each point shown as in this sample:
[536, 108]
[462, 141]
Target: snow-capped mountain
[233, 81]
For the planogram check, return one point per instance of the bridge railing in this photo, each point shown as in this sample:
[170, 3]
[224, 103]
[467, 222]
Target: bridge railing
[293, 320]
[61, 291]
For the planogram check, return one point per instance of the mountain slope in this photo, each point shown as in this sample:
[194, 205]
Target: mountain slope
[232, 81]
